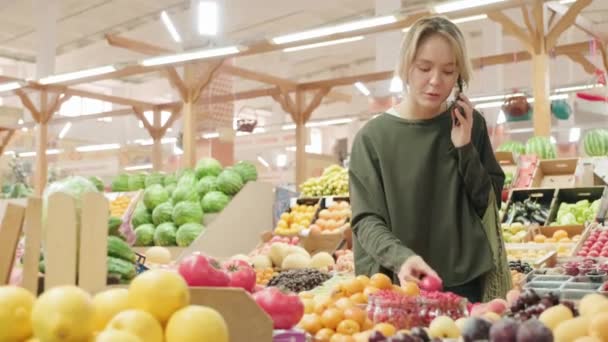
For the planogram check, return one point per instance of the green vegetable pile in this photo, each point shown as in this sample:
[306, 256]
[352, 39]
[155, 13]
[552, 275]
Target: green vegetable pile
[576, 213]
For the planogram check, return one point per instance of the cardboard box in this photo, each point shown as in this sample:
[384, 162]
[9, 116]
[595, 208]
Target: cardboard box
[556, 173]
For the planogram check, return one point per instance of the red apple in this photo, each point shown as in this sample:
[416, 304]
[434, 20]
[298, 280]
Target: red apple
[581, 253]
[594, 254]
[431, 284]
[604, 253]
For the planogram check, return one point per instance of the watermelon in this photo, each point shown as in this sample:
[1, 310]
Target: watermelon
[187, 233]
[205, 185]
[229, 182]
[162, 213]
[246, 170]
[155, 195]
[140, 216]
[154, 178]
[542, 147]
[596, 142]
[144, 235]
[187, 212]
[121, 183]
[170, 179]
[137, 182]
[185, 193]
[207, 167]
[164, 235]
[214, 202]
[512, 146]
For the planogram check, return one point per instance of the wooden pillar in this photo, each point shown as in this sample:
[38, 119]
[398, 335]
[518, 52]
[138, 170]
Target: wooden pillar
[157, 151]
[188, 135]
[300, 113]
[540, 84]
[301, 139]
[40, 176]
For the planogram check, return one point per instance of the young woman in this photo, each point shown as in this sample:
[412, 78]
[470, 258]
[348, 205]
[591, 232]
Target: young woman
[422, 175]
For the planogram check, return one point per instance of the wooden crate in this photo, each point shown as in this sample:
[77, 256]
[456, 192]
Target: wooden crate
[544, 196]
[555, 173]
[573, 195]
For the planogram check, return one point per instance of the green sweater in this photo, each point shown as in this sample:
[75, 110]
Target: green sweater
[413, 192]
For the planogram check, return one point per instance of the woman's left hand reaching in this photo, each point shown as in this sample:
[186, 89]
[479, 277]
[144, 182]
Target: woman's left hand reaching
[461, 133]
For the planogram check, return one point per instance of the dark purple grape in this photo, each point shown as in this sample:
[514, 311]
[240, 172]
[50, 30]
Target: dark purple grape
[530, 297]
[534, 331]
[553, 297]
[377, 336]
[547, 303]
[420, 333]
[504, 330]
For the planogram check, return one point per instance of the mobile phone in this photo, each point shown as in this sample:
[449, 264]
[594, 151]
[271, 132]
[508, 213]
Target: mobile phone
[458, 92]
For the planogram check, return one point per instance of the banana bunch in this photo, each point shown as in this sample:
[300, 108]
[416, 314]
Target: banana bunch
[333, 182]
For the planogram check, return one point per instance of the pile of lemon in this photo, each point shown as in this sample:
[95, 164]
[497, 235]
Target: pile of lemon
[119, 205]
[155, 308]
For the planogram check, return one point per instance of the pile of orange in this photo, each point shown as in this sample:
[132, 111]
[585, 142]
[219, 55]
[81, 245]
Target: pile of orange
[342, 316]
[263, 276]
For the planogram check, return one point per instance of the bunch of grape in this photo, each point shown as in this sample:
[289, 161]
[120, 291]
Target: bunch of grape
[520, 267]
[333, 182]
[531, 305]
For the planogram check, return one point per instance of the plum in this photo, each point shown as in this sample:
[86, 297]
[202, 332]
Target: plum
[504, 330]
[420, 333]
[401, 337]
[475, 328]
[377, 336]
[534, 331]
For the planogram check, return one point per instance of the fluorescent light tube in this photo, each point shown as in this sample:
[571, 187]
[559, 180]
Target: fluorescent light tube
[493, 97]
[575, 88]
[12, 153]
[188, 56]
[288, 127]
[170, 27]
[211, 135]
[462, 4]
[489, 105]
[20, 122]
[208, 18]
[70, 76]
[396, 85]
[33, 153]
[65, 130]
[100, 147]
[565, 2]
[148, 142]
[24, 129]
[322, 44]
[263, 161]
[10, 86]
[559, 97]
[281, 160]
[469, 19]
[362, 88]
[138, 167]
[341, 28]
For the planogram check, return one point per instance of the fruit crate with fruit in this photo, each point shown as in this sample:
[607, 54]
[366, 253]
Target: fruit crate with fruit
[508, 161]
[594, 242]
[536, 254]
[576, 206]
[566, 286]
[406, 312]
[530, 207]
[329, 228]
[301, 213]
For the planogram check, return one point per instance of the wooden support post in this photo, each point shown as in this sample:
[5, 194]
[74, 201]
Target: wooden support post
[6, 140]
[540, 84]
[157, 152]
[300, 113]
[41, 145]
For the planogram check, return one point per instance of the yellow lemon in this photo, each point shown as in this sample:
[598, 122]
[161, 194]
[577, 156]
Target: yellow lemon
[117, 336]
[15, 310]
[107, 304]
[138, 323]
[196, 323]
[159, 292]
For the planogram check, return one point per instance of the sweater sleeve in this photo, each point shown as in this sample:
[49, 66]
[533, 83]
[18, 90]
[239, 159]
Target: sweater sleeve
[369, 211]
[479, 168]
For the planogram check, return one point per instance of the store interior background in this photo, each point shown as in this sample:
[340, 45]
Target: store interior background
[76, 29]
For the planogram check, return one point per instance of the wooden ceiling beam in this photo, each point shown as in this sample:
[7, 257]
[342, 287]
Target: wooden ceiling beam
[347, 80]
[580, 21]
[579, 58]
[565, 22]
[512, 28]
[136, 46]
[103, 97]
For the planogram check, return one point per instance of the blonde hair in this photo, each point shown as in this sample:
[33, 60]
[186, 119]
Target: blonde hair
[425, 28]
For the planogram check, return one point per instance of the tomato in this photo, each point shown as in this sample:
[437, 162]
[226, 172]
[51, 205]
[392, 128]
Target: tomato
[241, 274]
[201, 270]
[285, 309]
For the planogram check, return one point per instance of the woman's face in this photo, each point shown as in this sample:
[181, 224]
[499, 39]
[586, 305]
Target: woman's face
[433, 73]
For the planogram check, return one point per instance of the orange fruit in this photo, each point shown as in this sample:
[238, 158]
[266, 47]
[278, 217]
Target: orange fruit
[370, 290]
[348, 327]
[368, 325]
[322, 305]
[398, 289]
[311, 323]
[381, 281]
[363, 279]
[309, 305]
[341, 338]
[344, 303]
[353, 286]
[324, 334]
[331, 318]
[539, 238]
[356, 314]
[358, 298]
[386, 329]
[411, 289]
